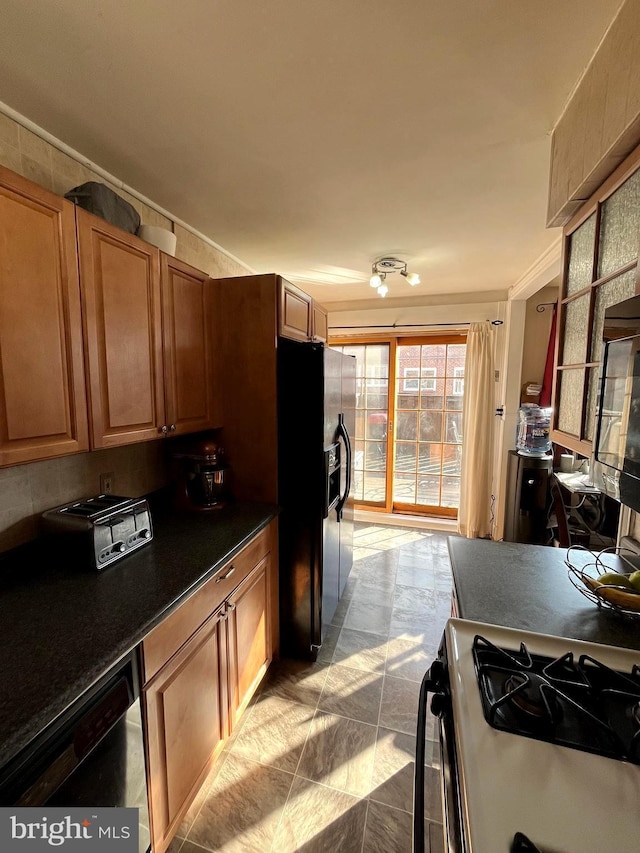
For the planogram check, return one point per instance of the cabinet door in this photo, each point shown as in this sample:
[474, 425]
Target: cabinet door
[187, 321]
[43, 409]
[295, 312]
[120, 284]
[249, 637]
[186, 705]
[320, 323]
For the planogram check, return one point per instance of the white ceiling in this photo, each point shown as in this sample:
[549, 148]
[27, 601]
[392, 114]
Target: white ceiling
[312, 137]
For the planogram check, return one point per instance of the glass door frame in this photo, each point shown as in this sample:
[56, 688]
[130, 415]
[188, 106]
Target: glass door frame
[424, 340]
[389, 506]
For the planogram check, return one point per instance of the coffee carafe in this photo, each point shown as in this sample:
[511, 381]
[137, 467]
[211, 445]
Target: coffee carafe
[203, 476]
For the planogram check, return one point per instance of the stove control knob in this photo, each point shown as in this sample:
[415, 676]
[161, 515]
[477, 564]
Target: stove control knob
[438, 672]
[440, 704]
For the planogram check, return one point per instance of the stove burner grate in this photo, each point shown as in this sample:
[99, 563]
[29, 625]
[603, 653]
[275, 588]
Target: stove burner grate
[583, 705]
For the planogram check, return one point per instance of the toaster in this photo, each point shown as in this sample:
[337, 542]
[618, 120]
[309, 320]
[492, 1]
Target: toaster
[99, 531]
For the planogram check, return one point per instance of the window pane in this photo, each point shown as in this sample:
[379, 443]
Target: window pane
[581, 244]
[453, 431]
[429, 490]
[374, 486]
[450, 491]
[407, 426]
[616, 290]
[620, 227]
[570, 396]
[376, 425]
[451, 459]
[405, 456]
[408, 401]
[430, 426]
[404, 488]
[375, 455]
[576, 324]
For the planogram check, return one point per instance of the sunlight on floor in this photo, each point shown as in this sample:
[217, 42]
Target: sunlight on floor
[322, 760]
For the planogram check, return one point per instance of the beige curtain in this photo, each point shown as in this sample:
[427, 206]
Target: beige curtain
[474, 515]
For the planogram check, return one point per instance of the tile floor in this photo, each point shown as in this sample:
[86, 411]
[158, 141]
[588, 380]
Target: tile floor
[323, 757]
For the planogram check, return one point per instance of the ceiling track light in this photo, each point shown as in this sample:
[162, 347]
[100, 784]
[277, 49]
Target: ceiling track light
[380, 269]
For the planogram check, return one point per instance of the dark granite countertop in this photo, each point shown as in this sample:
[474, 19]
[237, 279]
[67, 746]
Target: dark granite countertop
[527, 587]
[61, 629]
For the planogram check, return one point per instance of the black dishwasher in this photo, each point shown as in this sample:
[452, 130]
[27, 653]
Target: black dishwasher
[92, 755]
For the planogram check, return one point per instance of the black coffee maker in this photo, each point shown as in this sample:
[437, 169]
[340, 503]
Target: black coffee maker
[202, 476]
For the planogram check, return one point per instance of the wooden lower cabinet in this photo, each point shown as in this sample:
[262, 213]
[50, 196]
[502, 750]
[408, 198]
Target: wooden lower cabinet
[186, 715]
[249, 636]
[193, 701]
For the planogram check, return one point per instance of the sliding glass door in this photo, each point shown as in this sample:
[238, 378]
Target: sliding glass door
[408, 441]
[428, 434]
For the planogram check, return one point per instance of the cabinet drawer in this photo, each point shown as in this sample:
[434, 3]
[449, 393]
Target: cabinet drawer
[165, 640]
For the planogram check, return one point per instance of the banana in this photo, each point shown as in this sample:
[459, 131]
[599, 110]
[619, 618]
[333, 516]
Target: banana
[623, 598]
[590, 583]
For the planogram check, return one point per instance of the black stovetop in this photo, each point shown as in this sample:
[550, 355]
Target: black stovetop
[581, 704]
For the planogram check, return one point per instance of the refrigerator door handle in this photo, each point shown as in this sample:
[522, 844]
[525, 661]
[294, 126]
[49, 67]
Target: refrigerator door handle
[343, 433]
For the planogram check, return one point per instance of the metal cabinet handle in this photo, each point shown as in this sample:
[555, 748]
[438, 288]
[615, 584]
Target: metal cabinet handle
[163, 429]
[230, 606]
[172, 428]
[226, 575]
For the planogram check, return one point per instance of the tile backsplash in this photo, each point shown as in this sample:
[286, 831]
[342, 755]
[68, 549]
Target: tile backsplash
[36, 159]
[27, 490]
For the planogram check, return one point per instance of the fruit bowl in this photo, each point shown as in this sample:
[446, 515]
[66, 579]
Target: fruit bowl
[621, 597]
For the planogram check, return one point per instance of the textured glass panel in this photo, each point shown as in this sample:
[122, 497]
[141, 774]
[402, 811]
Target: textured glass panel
[576, 323]
[619, 227]
[570, 407]
[592, 401]
[619, 288]
[581, 242]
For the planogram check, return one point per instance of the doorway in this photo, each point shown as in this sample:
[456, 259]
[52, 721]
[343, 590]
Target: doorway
[408, 442]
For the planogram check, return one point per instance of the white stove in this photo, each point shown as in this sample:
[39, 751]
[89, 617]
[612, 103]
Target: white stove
[554, 779]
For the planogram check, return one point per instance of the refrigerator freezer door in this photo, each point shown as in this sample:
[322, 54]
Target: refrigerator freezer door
[331, 528]
[349, 415]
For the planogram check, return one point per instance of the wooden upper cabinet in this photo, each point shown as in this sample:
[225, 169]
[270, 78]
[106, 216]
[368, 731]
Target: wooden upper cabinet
[295, 312]
[320, 331]
[120, 283]
[42, 394]
[187, 322]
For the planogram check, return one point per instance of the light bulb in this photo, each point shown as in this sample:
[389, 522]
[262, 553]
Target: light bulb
[412, 277]
[375, 280]
[383, 290]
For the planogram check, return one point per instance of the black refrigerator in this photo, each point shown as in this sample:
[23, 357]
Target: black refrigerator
[316, 425]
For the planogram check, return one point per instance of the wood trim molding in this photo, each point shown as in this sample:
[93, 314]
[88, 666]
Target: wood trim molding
[545, 268]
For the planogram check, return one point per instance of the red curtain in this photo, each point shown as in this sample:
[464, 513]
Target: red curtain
[547, 382]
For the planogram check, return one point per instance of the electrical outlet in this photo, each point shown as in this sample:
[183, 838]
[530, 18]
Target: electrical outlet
[106, 483]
